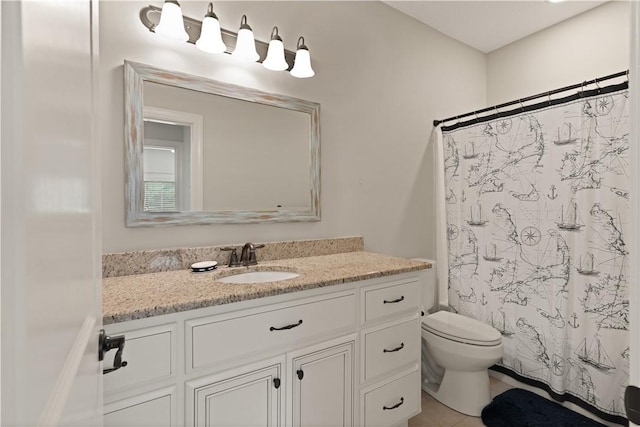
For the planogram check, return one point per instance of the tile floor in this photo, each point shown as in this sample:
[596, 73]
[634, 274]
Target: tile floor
[435, 414]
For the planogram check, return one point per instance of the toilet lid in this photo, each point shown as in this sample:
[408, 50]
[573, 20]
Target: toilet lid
[461, 328]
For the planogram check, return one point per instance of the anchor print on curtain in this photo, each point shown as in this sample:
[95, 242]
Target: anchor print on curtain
[537, 207]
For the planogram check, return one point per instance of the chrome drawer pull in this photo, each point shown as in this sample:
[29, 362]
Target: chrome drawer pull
[286, 327]
[393, 301]
[394, 350]
[394, 406]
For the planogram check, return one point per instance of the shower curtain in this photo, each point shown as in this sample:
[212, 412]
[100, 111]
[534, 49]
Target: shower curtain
[537, 206]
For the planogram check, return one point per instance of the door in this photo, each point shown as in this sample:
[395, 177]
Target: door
[247, 397]
[322, 392]
[49, 220]
[634, 308]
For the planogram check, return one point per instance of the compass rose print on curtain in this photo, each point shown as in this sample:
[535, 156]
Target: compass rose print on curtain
[537, 210]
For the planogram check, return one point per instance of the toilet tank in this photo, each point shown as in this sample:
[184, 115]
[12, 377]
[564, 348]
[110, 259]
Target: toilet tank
[428, 286]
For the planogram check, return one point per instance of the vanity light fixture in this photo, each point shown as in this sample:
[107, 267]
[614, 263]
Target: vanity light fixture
[245, 44]
[171, 23]
[302, 64]
[210, 37]
[275, 55]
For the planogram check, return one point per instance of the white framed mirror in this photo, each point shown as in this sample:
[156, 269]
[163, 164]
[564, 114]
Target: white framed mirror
[199, 151]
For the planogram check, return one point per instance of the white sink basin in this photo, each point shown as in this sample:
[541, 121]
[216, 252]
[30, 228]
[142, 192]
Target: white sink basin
[259, 277]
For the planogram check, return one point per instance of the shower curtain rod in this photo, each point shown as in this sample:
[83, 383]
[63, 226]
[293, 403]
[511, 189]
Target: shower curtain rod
[540, 95]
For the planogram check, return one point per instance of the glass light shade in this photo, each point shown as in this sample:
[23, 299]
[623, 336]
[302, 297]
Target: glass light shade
[246, 46]
[171, 23]
[302, 64]
[210, 38]
[275, 56]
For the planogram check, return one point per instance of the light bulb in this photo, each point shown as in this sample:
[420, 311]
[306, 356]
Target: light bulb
[275, 55]
[245, 43]
[302, 63]
[210, 37]
[171, 23]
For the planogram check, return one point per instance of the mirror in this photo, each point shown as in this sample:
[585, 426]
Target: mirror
[199, 151]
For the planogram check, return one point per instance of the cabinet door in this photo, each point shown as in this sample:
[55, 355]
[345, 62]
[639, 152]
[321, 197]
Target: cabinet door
[322, 387]
[248, 397]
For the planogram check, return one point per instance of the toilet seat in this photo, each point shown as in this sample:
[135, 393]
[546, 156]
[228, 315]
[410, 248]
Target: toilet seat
[462, 329]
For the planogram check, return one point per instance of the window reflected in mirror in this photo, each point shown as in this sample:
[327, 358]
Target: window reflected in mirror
[166, 167]
[159, 179]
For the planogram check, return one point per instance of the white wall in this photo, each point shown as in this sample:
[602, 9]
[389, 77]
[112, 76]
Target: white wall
[381, 78]
[590, 45]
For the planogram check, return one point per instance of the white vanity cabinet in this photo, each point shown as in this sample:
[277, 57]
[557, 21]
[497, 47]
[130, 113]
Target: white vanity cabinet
[330, 356]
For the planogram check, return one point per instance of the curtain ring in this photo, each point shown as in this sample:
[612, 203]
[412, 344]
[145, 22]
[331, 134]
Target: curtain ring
[457, 120]
[597, 85]
[549, 98]
[475, 113]
[521, 106]
[582, 88]
[497, 111]
[627, 74]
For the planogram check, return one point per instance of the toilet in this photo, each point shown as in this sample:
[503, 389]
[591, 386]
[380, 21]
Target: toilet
[461, 346]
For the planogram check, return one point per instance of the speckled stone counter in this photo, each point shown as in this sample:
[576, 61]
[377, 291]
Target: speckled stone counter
[146, 295]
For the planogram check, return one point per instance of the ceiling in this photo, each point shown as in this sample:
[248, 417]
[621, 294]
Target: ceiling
[474, 23]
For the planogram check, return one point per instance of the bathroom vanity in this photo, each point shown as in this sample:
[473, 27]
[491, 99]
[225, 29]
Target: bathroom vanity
[339, 345]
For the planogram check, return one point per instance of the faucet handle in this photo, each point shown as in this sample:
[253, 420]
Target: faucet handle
[233, 257]
[252, 254]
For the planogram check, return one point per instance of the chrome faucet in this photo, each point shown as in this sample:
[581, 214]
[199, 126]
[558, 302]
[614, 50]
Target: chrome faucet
[248, 254]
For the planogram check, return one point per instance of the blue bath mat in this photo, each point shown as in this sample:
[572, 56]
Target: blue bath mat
[517, 407]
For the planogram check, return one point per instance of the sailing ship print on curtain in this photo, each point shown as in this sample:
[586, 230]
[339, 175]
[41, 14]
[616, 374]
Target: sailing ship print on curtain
[537, 207]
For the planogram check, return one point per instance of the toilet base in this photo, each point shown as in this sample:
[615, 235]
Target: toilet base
[465, 392]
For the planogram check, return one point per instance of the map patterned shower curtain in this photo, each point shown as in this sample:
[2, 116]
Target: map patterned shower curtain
[537, 206]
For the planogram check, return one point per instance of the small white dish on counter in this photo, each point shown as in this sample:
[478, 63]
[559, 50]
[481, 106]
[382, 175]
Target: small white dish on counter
[203, 266]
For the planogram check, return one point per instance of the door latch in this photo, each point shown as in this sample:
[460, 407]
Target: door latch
[106, 343]
[632, 403]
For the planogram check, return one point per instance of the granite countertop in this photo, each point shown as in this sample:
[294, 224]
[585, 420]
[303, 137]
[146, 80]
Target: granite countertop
[145, 295]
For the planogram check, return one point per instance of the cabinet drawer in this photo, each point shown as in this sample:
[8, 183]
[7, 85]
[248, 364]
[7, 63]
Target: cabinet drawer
[227, 337]
[149, 353]
[391, 347]
[389, 299]
[393, 402]
[153, 409]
